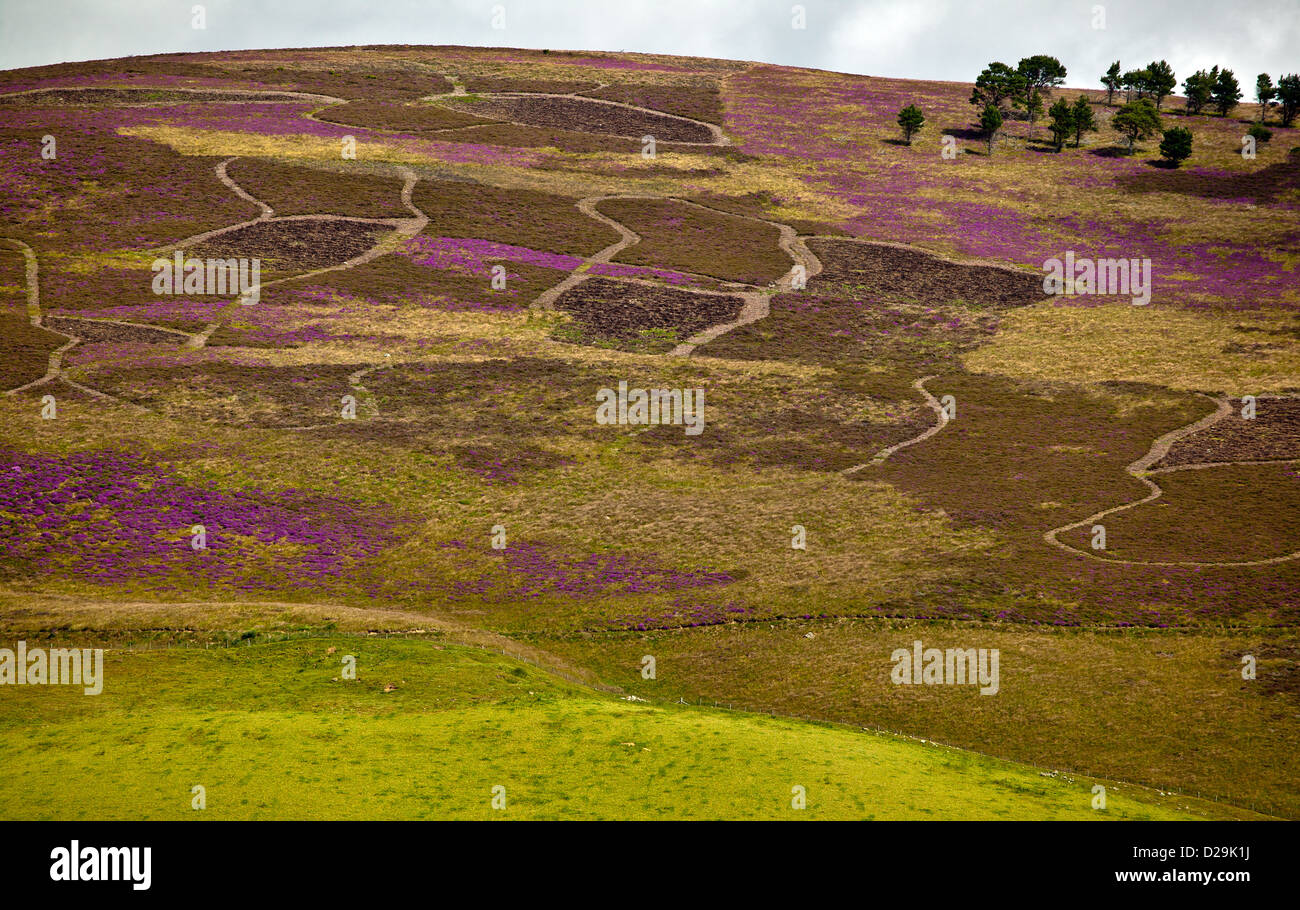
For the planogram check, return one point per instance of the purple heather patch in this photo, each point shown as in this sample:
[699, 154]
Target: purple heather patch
[120, 518]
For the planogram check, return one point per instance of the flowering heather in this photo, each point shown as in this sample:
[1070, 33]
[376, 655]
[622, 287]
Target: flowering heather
[118, 518]
[1018, 206]
[531, 570]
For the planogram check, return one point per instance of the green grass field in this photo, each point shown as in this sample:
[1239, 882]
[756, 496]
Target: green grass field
[272, 731]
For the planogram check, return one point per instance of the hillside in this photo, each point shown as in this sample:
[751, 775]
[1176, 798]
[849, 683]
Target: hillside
[884, 429]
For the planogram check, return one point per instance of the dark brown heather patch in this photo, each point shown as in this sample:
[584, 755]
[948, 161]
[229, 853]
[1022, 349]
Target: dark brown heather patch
[24, 351]
[699, 102]
[586, 116]
[413, 117]
[91, 331]
[292, 245]
[641, 317]
[1274, 433]
[911, 275]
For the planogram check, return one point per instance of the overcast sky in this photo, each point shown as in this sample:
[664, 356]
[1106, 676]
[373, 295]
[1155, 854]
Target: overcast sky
[927, 39]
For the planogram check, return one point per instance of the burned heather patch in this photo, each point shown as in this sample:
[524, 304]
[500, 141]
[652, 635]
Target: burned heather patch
[1274, 433]
[911, 275]
[687, 237]
[699, 102]
[641, 317]
[584, 115]
[416, 117]
[92, 331]
[301, 190]
[24, 351]
[529, 218]
[111, 518]
[292, 246]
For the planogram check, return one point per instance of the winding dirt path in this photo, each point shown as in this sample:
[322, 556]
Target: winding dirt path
[881, 456]
[54, 370]
[1141, 471]
[758, 304]
[32, 275]
[627, 237]
[403, 229]
[755, 302]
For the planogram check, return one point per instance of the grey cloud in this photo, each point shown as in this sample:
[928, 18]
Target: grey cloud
[925, 39]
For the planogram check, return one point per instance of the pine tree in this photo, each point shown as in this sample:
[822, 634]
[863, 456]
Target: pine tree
[911, 120]
[1112, 80]
[1084, 121]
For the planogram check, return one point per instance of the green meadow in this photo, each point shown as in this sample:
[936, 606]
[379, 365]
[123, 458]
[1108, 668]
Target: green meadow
[427, 731]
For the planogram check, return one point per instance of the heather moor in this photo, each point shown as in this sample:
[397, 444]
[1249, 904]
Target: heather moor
[450, 432]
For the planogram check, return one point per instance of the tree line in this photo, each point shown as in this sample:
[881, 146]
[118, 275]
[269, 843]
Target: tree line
[1001, 90]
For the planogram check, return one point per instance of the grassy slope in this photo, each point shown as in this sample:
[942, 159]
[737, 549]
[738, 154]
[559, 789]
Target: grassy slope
[270, 732]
